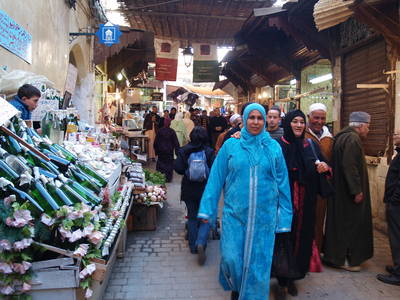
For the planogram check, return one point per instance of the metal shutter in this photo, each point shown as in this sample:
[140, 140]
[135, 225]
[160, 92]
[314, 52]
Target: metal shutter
[366, 65]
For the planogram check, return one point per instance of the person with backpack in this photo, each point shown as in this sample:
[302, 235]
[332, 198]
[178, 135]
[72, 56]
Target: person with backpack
[194, 162]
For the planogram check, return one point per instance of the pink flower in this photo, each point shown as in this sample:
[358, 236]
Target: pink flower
[82, 250]
[5, 268]
[9, 222]
[76, 214]
[76, 235]
[5, 245]
[10, 199]
[26, 287]
[45, 219]
[7, 290]
[64, 233]
[22, 268]
[88, 230]
[85, 208]
[87, 271]
[22, 244]
[23, 214]
[96, 237]
[115, 213]
[88, 293]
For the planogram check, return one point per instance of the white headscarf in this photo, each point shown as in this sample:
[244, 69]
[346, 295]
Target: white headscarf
[179, 116]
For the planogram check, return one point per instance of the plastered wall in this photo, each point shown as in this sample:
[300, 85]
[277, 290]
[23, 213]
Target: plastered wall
[50, 22]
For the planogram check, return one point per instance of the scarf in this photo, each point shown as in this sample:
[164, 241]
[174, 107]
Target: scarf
[294, 151]
[254, 145]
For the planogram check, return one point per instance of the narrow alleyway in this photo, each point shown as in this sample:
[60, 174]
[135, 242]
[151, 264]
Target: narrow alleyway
[158, 265]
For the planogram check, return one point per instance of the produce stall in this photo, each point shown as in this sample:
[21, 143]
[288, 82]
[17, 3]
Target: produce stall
[62, 225]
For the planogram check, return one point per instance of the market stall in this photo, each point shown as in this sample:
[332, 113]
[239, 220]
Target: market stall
[63, 209]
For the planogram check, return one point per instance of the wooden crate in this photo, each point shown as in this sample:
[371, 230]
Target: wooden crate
[144, 217]
[55, 279]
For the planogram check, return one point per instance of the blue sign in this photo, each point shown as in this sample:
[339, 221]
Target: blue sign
[108, 34]
[15, 38]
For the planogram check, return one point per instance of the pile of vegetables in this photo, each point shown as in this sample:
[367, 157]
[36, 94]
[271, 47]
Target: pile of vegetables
[152, 195]
[154, 177]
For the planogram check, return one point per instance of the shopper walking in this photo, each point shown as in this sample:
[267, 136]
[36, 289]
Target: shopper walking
[274, 121]
[305, 164]
[165, 145]
[150, 125]
[192, 188]
[189, 124]
[392, 201]
[180, 129]
[164, 117]
[349, 237]
[218, 124]
[204, 120]
[319, 133]
[172, 113]
[253, 212]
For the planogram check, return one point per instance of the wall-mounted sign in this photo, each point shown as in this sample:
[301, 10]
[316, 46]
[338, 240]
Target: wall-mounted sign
[157, 97]
[15, 38]
[108, 34]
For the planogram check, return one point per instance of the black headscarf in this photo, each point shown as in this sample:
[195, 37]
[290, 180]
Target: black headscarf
[294, 152]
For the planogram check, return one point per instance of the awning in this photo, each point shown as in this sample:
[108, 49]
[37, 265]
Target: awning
[206, 91]
[132, 54]
[129, 39]
[328, 13]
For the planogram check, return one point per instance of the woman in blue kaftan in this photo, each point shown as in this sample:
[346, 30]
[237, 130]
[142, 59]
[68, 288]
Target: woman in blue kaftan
[252, 172]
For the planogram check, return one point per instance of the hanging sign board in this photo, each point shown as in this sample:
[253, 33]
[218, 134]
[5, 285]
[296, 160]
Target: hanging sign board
[7, 111]
[166, 59]
[108, 34]
[70, 82]
[157, 97]
[205, 64]
[15, 38]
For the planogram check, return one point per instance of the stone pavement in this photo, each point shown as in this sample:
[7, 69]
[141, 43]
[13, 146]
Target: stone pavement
[158, 265]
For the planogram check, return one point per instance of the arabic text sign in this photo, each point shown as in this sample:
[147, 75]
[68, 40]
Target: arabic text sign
[15, 38]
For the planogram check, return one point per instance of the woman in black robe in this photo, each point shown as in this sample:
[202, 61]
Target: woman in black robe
[306, 167]
[165, 144]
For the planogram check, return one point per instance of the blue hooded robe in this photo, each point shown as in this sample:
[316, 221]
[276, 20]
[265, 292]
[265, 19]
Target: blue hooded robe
[252, 172]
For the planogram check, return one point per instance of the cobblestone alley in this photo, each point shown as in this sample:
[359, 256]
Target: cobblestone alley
[158, 265]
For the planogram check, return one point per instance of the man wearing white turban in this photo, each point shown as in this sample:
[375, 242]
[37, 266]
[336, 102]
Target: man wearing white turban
[319, 133]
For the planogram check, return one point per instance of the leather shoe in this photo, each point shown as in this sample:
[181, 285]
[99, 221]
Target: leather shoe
[389, 279]
[389, 269]
[292, 289]
[351, 268]
[234, 295]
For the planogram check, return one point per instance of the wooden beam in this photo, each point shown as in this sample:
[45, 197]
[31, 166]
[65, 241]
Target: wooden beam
[183, 15]
[372, 85]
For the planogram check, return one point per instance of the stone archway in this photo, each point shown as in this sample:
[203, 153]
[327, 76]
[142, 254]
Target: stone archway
[77, 58]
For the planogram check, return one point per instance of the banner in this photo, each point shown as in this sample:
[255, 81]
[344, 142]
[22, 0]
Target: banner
[166, 59]
[205, 65]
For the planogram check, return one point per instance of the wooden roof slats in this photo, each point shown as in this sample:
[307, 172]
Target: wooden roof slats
[328, 13]
[196, 20]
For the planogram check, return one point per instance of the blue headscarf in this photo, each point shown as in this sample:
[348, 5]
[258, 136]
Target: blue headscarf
[255, 145]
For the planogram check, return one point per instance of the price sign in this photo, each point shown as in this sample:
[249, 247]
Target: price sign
[7, 111]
